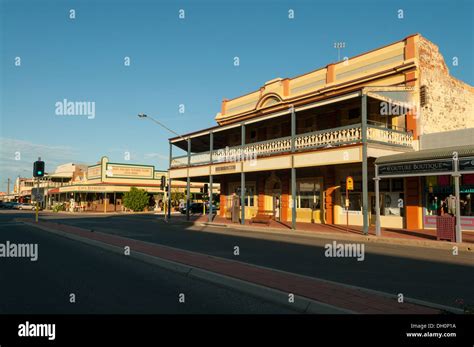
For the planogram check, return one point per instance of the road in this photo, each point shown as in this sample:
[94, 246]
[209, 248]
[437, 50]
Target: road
[103, 282]
[434, 275]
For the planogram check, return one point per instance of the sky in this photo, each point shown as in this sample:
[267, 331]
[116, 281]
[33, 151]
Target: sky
[176, 61]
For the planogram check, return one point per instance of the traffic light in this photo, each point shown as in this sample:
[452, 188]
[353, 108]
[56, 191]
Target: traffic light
[163, 182]
[38, 168]
[206, 188]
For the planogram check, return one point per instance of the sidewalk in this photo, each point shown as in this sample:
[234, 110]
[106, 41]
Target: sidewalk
[348, 298]
[420, 237]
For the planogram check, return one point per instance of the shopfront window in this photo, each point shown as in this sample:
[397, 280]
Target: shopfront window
[440, 196]
[355, 201]
[308, 195]
[249, 195]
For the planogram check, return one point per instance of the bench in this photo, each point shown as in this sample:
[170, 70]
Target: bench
[262, 217]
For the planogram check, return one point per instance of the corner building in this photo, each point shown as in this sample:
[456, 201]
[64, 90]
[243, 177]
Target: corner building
[293, 142]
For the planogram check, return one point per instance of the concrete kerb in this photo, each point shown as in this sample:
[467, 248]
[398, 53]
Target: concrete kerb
[343, 237]
[301, 304]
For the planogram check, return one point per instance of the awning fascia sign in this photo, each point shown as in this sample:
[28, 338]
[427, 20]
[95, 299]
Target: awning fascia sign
[466, 165]
[418, 168]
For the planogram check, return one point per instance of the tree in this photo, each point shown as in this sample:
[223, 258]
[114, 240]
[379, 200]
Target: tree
[135, 199]
[176, 196]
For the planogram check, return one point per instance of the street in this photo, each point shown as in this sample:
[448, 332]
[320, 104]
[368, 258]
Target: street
[103, 282]
[433, 275]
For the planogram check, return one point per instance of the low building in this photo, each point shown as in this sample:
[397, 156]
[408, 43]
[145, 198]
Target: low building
[100, 187]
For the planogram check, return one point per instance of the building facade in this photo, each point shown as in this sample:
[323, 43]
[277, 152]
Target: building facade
[293, 142]
[100, 187]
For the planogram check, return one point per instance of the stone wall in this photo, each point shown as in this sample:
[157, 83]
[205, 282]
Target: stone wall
[450, 102]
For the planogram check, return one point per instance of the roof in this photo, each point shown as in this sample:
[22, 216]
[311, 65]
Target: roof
[427, 154]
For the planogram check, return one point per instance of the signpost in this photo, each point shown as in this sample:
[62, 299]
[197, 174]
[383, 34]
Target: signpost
[349, 186]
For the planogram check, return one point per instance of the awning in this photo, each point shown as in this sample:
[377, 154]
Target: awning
[427, 154]
[440, 161]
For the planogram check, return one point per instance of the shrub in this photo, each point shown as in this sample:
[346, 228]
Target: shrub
[135, 199]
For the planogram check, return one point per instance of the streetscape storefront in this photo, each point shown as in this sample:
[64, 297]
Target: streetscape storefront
[101, 187]
[438, 182]
[100, 197]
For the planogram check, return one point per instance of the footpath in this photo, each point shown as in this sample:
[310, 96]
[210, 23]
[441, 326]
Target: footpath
[304, 294]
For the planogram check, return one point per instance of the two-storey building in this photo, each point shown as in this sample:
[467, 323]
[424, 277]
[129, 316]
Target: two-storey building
[293, 142]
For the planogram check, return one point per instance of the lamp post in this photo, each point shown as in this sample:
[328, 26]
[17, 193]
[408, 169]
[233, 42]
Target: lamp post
[142, 115]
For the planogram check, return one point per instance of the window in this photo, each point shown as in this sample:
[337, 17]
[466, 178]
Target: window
[249, 195]
[354, 201]
[308, 195]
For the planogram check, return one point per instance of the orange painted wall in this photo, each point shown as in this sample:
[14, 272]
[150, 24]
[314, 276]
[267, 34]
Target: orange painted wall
[412, 202]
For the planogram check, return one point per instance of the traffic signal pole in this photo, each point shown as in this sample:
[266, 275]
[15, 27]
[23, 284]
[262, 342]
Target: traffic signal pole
[37, 194]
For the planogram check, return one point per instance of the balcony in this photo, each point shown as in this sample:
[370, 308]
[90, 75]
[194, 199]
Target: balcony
[351, 134]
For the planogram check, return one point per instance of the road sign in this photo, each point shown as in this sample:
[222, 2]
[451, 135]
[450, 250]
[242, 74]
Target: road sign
[349, 183]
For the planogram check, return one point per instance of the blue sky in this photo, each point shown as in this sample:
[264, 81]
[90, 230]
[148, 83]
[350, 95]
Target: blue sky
[175, 61]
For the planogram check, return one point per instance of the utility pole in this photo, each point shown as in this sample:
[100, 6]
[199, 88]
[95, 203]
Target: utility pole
[8, 186]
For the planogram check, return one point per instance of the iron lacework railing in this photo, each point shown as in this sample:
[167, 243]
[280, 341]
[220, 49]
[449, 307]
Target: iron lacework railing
[350, 134]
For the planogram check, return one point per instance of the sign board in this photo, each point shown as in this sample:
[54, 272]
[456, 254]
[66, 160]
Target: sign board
[225, 168]
[466, 164]
[37, 195]
[130, 171]
[424, 167]
[93, 172]
[349, 183]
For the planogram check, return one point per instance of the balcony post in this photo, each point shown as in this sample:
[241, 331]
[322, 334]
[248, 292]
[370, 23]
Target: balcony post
[211, 148]
[457, 175]
[293, 170]
[365, 183]
[242, 180]
[377, 202]
[169, 182]
[188, 182]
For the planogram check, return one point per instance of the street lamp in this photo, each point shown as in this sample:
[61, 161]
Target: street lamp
[142, 115]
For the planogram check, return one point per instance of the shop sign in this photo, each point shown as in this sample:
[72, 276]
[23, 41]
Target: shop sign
[93, 171]
[129, 171]
[466, 164]
[435, 166]
[225, 168]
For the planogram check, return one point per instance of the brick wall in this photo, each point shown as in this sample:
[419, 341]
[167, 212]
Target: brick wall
[450, 102]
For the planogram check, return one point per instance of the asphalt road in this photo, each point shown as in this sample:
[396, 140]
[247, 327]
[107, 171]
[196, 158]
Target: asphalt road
[103, 282]
[434, 275]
